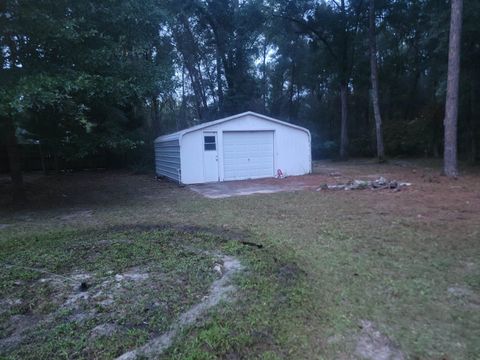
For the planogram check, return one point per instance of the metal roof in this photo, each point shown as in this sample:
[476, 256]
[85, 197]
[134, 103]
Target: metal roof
[177, 135]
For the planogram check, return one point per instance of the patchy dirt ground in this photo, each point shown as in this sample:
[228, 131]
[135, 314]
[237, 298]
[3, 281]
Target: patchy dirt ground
[108, 301]
[372, 344]
[340, 274]
[220, 290]
[316, 181]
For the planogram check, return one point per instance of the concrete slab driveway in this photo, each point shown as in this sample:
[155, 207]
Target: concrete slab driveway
[227, 189]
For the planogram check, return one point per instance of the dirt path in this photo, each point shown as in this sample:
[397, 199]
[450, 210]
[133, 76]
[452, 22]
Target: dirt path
[220, 290]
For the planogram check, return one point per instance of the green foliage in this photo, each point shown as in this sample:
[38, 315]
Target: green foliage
[77, 75]
[86, 77]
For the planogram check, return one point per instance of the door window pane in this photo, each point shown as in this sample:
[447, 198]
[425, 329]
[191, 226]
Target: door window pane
[209, 143]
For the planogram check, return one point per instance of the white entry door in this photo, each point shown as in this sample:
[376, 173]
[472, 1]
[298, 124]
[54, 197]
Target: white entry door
[247, 154]
[210, 156]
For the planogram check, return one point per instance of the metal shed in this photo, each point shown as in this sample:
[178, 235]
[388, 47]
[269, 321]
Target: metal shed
[243, 146]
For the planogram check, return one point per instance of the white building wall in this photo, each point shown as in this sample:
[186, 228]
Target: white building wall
[292, 152]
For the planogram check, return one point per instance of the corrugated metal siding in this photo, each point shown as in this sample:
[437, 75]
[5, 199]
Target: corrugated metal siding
[167, 159]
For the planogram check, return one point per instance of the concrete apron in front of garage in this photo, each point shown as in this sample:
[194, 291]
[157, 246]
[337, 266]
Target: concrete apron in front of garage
[225, 189]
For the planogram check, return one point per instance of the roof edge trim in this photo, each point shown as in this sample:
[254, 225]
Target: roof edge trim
[179, 134]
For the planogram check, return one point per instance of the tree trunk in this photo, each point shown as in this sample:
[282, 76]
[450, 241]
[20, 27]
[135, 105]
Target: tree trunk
[219, 82]
[264, 76]
[183, 116]
[450, 166]
[291, 90]
[42, 159]
[345, 75]
[412, 98]
[201, 85]
[56, 162]
[473, 106]
[374, 79]
[187, 46]
[155, 117]
[196, 92]
[344, 122]
[14, 161]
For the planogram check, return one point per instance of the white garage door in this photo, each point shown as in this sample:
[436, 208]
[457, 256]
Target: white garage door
[247, 154]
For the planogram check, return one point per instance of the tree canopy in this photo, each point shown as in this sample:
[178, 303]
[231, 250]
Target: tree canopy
[88, 77]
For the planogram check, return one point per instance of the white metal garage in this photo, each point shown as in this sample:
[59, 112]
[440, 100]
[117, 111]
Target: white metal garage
[243, 146]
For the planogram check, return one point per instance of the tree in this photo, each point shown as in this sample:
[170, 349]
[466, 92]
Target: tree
[79, 74]
[450, 166]
[335, 25]
[88, 78]
[374, 80]
[235, 28]
[14, 161]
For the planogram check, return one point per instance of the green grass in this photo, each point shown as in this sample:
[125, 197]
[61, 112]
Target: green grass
[180, 268]
[177, 278]
[330, 260]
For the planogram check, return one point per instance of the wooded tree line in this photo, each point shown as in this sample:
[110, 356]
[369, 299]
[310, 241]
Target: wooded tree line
[82, 78]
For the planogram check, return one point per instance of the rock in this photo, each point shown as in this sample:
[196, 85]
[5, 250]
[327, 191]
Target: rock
[360, 185]
[393, 184]
[380, 183]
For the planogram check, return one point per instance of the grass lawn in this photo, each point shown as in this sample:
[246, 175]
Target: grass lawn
[340, 274]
